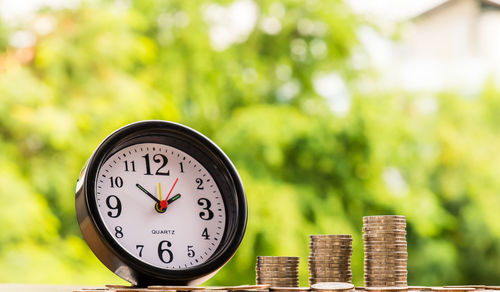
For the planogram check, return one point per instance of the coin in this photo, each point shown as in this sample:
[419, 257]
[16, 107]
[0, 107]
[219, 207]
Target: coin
[176, 288]
[386, 289]
[384, 217]
[453, 289]
[246, 287]
[276, 261]
[337, 286]
[319, 236]
[286, 289]
[328, 265]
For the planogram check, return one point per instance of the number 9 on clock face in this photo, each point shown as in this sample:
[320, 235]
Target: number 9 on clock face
[165, 204]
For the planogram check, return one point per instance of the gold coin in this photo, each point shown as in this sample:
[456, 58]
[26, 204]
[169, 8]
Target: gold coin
[398, 273]
[384, 227]
[277, 268]
[316, 236]
[320, 268]
[385, 241]
[277, 258]
[452, 289]
[385, 233]
[385, 244]
[343, 279]
[327, 266]
[276, 275]
[331, 251]
[273, 281]
[386, 221]
[330, 240]
[383, 217]
[329, 255]
[329, 245]
[467, 286]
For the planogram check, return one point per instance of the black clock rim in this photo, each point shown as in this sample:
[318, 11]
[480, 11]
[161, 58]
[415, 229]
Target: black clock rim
[148, 273]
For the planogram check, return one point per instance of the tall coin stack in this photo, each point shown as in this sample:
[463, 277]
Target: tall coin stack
[330, 258]
[385, 251]
[277, 271]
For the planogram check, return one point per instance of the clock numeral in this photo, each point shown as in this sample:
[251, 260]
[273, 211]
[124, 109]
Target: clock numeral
[158, 158]
[118, 232]
[205, 234]
[190, 251]
[140, 247]
[199, 181]
[162, 251]
[205, 203]
[117, 181]
[116, 206]
[182, 167]
[132, 166]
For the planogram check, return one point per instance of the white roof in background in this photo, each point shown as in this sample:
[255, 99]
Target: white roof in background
[393, 10]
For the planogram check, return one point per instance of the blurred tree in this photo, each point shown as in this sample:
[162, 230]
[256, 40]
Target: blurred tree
[275, 85]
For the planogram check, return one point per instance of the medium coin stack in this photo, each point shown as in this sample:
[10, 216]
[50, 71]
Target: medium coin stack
[277, 271]
[385, 251]
[330, 258]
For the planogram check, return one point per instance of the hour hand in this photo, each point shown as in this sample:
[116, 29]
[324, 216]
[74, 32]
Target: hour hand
[169, 201]
[147, 193]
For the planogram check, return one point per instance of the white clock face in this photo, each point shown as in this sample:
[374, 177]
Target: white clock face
[160, 205]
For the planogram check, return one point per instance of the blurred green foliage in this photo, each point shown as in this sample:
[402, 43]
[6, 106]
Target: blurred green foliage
[306, 170]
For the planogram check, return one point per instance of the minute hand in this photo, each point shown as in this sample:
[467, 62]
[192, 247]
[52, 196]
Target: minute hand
[147, 193]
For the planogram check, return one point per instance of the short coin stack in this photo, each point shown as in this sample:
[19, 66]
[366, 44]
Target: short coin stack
[330, 258]
[385, 251]
[277, 271]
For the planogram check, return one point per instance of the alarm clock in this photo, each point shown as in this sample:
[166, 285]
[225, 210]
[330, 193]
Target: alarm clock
[159, 203]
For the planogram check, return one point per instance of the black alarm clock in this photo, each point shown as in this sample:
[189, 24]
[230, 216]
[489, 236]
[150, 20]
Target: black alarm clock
[160, 203]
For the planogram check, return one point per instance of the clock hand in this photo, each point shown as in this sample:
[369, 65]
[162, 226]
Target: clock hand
[164, 203]
[174, 198]
[147, 193]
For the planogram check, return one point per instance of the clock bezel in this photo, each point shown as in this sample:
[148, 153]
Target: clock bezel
[211, 157]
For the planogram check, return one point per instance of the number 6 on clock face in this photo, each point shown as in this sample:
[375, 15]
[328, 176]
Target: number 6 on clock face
[166, 206]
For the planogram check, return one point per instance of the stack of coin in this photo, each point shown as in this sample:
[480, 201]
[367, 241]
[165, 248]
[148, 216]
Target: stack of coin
[385, 251]
[330, 258]
[277, 271]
